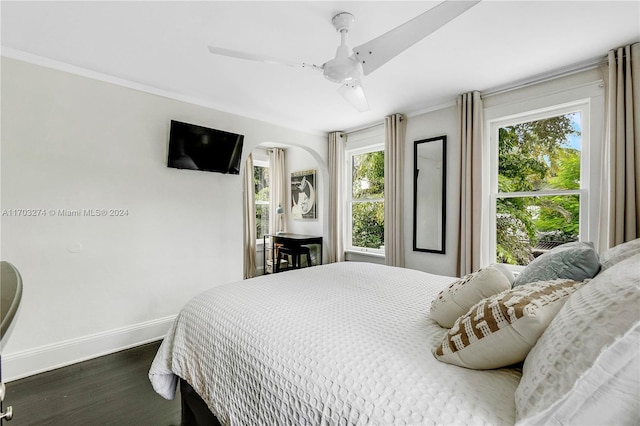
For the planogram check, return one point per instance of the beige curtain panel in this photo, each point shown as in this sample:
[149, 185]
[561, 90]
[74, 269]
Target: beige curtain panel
[621, 169]
[395, 130]
[249, 221]
[470, 128]
[337, 141]
[277, 190]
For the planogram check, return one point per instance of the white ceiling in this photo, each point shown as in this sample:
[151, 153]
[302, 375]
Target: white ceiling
[163, 45]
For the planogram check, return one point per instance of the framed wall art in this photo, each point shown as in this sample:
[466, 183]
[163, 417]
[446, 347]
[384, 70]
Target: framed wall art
[303, 195]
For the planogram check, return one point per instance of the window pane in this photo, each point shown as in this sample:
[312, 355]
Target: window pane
[368, 175]
[261, 182]
[367, 224]
[262, 219]
[526, 227]
[541, 154]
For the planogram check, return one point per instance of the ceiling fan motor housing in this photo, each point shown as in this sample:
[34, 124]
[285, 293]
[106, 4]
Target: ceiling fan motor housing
[342, 68]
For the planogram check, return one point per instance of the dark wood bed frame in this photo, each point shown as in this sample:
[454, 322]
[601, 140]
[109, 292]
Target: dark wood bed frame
[194, 410]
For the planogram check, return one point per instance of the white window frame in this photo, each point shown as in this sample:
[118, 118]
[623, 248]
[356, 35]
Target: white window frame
[583, 107]
[586, 98]
[373, 142]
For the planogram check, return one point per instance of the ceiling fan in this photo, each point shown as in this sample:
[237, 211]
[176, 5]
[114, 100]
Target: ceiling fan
[348, 67]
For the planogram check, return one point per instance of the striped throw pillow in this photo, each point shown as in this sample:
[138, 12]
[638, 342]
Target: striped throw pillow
[501, 330]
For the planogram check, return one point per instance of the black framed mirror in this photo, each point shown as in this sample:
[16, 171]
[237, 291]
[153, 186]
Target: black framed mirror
[429, 194]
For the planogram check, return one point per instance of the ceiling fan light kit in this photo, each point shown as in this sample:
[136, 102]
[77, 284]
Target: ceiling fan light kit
[348, 66]
[342, 70]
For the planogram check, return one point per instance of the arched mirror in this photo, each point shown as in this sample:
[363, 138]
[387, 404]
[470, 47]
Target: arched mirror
[429, 194]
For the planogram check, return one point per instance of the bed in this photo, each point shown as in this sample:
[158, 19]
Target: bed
[340, 344]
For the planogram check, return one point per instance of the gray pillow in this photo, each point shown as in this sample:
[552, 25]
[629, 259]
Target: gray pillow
[575, 261]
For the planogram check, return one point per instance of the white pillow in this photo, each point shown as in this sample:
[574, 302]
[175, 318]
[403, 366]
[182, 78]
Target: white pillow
[455, 300]
[583, 354]
[619, 253]
[506, 271]
[606, 394]
[501, 329]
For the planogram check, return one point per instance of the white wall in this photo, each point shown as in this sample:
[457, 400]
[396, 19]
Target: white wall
[436, 123]
[96, 284]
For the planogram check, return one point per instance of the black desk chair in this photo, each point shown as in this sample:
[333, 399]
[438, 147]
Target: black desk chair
[10, 295]
[295, 253]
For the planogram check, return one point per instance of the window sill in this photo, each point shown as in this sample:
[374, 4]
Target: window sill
[365, 253]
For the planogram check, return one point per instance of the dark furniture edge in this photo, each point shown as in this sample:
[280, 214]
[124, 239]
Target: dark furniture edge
[194, 410]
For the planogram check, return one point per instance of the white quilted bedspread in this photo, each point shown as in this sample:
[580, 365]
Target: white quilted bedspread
[341, 344]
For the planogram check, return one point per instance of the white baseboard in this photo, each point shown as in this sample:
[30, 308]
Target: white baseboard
[49, 357]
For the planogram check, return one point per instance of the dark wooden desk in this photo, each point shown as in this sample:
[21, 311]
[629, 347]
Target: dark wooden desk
[289, 240]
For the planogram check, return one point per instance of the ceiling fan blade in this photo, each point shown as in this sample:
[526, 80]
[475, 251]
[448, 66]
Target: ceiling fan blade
[259, 58]
[353, 92]
[380, 50]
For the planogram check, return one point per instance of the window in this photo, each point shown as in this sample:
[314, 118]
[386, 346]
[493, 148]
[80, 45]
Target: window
[365, 224]
[539, 182]
[261, 183]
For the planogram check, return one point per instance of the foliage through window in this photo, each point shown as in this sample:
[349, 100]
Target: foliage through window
[261, 183]
[538, 199]
[366, 230]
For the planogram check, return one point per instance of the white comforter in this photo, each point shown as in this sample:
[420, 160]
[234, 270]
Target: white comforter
[345, 343]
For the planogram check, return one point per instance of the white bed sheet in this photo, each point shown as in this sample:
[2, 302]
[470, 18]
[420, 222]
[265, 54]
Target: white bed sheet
[345, 343]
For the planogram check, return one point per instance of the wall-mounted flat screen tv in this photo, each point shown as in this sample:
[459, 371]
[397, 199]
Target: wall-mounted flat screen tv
[200, 148]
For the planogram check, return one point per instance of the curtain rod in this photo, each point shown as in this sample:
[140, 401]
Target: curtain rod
[541, 78]
[361, 129]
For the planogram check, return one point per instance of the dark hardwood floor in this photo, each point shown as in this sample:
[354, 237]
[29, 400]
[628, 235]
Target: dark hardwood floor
[110, 390]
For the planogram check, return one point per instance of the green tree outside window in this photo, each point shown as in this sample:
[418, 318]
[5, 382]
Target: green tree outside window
[261, 184]
[537, 156]
[368, 194]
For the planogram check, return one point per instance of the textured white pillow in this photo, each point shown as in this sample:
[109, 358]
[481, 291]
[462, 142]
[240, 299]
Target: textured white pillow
[501, 329]
[581, 367]
[619, 253]
[505, 270]
[455, 300]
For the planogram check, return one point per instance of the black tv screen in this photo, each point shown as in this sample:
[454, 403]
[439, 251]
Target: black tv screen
[200, 148]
